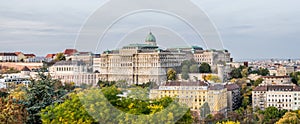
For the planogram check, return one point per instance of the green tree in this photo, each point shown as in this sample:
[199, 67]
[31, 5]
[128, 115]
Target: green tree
[194, 68]
[171, 74]
[236, 73]
[271, 114]
[60, 57]
[263, 71]
[185, 68]
[205, 68]
[258, 81]
[41, 93]
[295, 77]
[185, 75]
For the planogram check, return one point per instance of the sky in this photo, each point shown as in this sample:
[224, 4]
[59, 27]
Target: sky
[249, 29]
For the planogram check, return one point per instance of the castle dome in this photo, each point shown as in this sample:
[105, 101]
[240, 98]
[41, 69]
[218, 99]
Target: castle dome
[150, 38]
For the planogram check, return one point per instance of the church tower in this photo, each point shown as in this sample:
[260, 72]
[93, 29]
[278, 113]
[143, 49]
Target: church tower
[150, 39]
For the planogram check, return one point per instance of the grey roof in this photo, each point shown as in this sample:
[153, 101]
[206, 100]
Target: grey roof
[216, 87]
[61, 63]
[8, 54]
[231, 87]
[277, 88]
[179, 83]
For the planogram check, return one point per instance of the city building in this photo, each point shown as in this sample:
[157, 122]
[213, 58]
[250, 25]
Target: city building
[8, 57]
[285, 96]
[73, 71]
[138, 63]
[285, 70]
[233, 96]
[15, 79]
[194, 95]
[212, 57]
[276, 79]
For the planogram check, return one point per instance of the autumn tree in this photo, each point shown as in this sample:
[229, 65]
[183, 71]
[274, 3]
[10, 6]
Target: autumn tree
[289, 118]
[70, 111]
[171, 74]
[12, 111]
[60, 57]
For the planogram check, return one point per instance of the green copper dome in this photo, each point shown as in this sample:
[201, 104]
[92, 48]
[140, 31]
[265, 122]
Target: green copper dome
[150, 38]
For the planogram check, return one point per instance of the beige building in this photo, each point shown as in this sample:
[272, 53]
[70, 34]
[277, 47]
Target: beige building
[285, 70]
[212, 57]
[138, 63]
[141, 63]
[280, 96]
[276, 80]
[194, 95]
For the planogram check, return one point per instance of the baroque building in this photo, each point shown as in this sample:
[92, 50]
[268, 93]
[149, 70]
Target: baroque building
[141, 63]
[138, 63]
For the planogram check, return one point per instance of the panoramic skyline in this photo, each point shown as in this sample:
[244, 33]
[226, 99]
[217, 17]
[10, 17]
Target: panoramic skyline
[248, 29]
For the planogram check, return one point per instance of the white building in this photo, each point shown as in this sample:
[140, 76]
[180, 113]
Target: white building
[280, 96]
[73, 71]
[8, 57]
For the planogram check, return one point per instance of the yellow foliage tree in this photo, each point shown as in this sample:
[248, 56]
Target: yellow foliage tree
[289, 118]
[229, 122]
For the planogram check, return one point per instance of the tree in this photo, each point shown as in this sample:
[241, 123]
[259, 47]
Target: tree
[205, 68]
[41, 93]
[185, 75]
[185, 68]
[3, 93]
[229, 122]
[245, 73]
[60, 57]
[258, 81]
[236, 73]
[215, 79]
[289, 118]
[70, 111]
[295, 77]
[12, 112]
[271, 114]
[185, 72]
[263, 71]
[194, 68]
[171, 74]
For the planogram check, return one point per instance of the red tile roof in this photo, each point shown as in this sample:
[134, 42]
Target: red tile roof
[50, 56]
[70, 51]
[18, 53]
